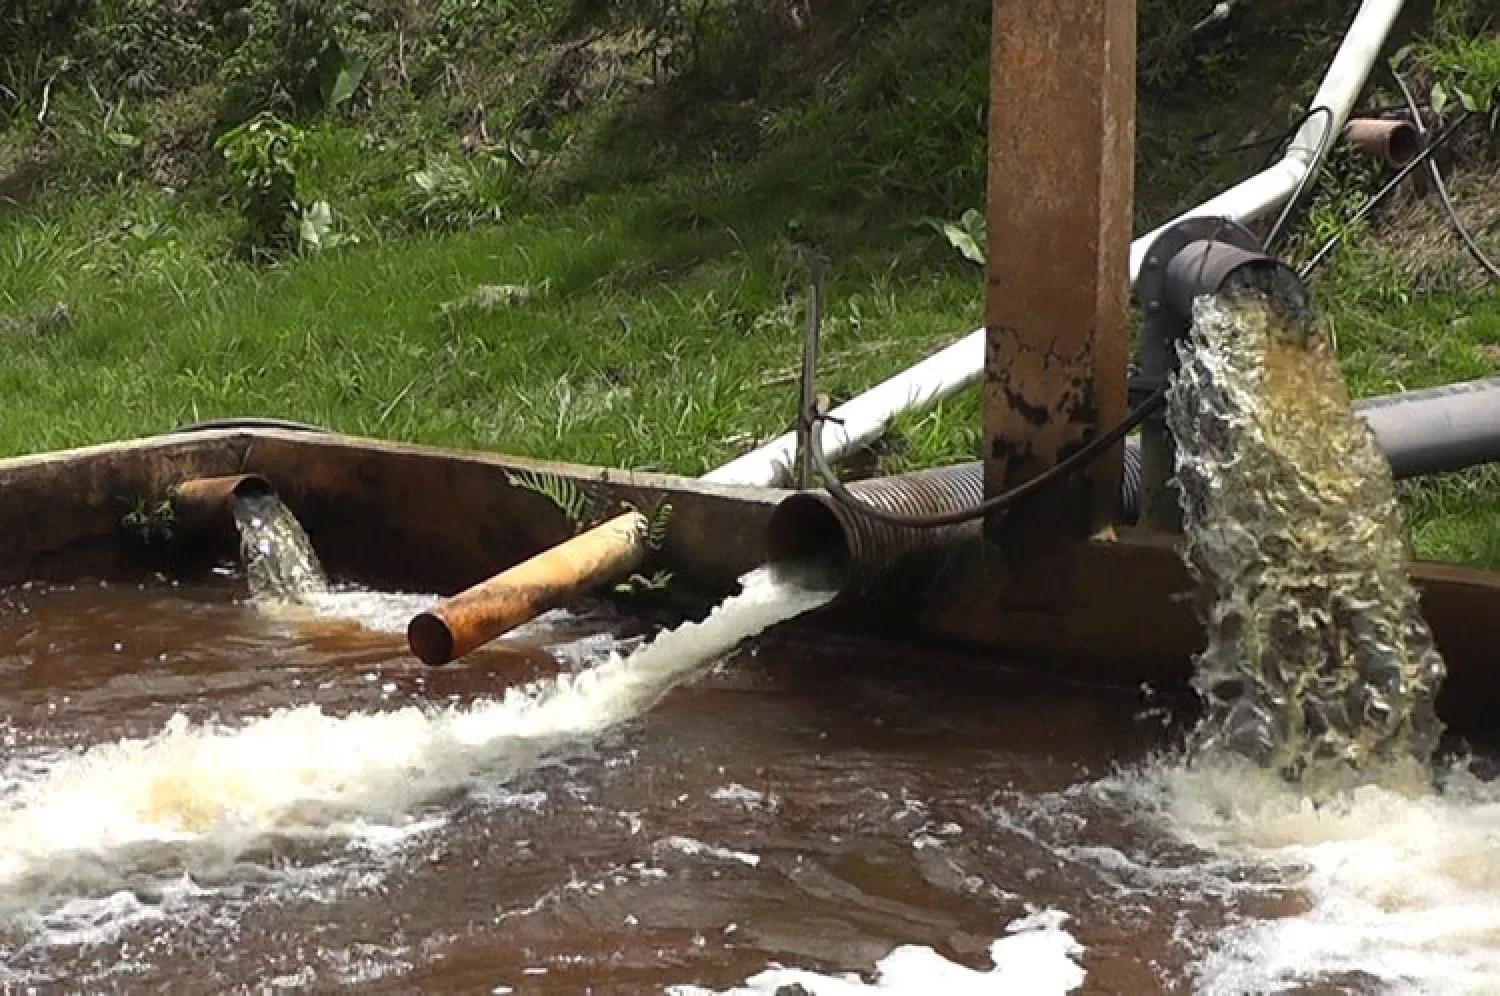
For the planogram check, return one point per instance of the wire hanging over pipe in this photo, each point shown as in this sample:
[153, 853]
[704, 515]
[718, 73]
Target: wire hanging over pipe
[1438, 182]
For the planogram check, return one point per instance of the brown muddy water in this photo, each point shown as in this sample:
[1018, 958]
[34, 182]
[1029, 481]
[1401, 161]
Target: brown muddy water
[203, 794]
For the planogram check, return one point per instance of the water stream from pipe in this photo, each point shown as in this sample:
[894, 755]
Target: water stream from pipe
[1314, 762]
[1318, 662]
[196, 797]
[280, 563]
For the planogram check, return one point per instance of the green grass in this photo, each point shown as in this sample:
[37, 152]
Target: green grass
[660, 231]
[1453, 517]
[664, 270]
[634, 349]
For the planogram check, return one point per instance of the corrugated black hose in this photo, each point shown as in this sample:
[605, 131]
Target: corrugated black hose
[1090, 452]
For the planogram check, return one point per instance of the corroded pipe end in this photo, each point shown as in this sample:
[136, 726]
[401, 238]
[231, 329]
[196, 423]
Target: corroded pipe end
[207, 501]
[220, 488]
[1396, 142]
[514, 597]
[430, 638]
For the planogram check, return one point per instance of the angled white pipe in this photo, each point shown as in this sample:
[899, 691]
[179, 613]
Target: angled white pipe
[945, 373]
[1265, 192]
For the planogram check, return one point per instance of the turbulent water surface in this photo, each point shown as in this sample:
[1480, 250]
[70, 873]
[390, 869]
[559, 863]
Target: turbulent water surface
[201, 792]
[199, 795]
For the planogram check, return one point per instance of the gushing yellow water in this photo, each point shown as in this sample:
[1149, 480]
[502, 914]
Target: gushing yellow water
[1318, 660]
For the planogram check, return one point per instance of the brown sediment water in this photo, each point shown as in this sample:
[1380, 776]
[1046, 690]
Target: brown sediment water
[197, 796]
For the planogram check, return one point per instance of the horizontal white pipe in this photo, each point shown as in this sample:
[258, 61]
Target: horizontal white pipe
[862, 420]
[961, 365]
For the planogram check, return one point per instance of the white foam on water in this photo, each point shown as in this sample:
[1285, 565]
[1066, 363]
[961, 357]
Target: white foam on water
[1400, 887]
[691, 847]
[196, 797]
[735, 793]
[379, 611]
[1037, 957]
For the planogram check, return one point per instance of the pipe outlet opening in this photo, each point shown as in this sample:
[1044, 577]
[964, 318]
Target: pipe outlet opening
[208, 503]
[430, 639]
[252, 486]
[1395, 142]
[805, 530]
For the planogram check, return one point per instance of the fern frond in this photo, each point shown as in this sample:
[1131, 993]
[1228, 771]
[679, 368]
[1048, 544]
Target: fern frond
[578, 505]
[656, 531]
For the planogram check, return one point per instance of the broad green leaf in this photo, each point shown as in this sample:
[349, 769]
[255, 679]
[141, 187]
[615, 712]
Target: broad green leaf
[347, 82]
[964, 243]
[317, 223]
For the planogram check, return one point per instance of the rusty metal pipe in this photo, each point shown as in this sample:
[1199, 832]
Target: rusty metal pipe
[472, 618]
[206, 502]
[1395, 142]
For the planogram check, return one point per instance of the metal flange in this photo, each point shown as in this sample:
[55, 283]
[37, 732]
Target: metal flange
[1151, 283]
[1164, 326]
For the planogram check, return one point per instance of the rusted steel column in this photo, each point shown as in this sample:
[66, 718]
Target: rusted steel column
[1061, 177]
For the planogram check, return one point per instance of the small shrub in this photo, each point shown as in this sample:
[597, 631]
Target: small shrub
[1465, 64]
[447, 31]
[145, 47]
[150, 522]
[968, 235]
[295, 56]
[450, 194]
[262, 157]
[33, 37]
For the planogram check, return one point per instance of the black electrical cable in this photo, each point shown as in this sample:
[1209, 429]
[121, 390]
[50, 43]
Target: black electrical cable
[1313, 169]
[1072, 464]
[1442, 187]
[1369, 205]
[1373, 110]
[1092, 450]
[249, 422]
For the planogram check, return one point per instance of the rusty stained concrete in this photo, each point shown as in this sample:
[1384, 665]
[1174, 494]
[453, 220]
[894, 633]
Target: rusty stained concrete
[422, 518]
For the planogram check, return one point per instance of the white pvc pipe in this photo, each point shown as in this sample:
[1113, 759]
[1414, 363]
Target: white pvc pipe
[1265, 192]
[862, 420]
[961, 365]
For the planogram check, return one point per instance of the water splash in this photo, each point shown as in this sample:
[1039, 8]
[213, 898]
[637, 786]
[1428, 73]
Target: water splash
[1037, 956]
[195, 799]
[279, 559]
[1318, 660]
[1391, 887]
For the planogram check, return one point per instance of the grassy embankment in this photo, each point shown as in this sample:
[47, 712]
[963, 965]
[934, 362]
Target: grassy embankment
[606, 263]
